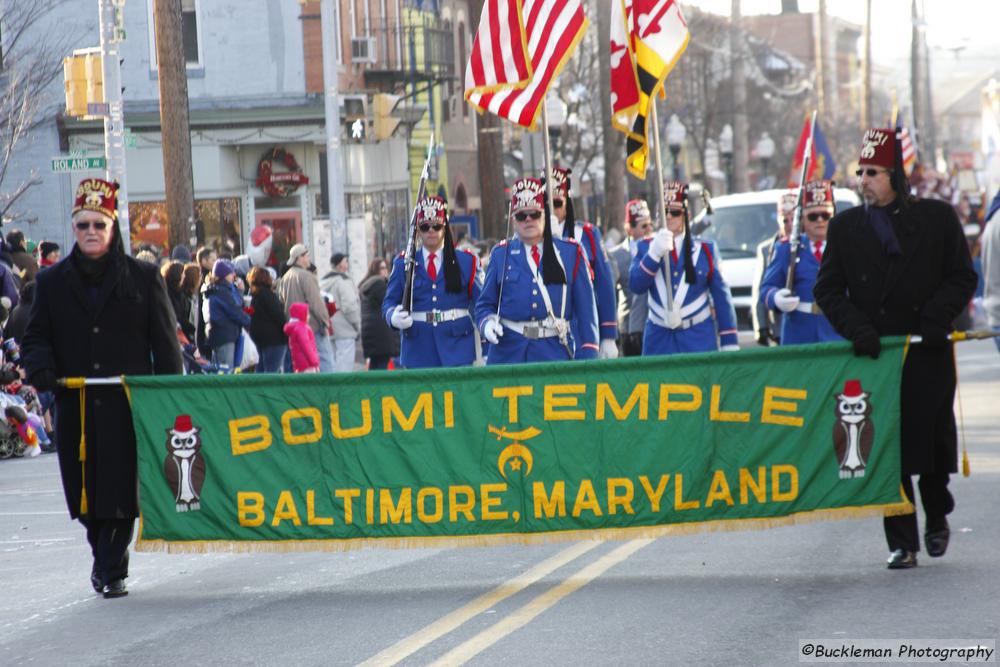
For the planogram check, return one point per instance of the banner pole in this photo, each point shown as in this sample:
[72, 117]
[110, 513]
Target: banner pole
[548, 159]
[661, 206]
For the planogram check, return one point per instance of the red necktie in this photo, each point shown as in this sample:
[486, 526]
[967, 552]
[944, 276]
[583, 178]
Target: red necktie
[535, 255]
[818, 252]
[431, 269]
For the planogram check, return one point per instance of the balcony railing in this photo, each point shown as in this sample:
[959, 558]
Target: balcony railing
[421, 50]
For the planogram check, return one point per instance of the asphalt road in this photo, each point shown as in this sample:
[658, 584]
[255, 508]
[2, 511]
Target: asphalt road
[740, 598]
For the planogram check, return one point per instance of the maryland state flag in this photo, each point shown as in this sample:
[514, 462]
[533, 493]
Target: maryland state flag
[822, 165]
[647, 39]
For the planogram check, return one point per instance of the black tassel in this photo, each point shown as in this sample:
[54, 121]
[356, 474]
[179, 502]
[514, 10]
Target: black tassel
[688, 249]
[552, 270]
[569, 228]
[452, 271]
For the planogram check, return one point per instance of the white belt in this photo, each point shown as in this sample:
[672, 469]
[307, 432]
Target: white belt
[439, 315]
[810, 308]
[546, 328]
[691, 321]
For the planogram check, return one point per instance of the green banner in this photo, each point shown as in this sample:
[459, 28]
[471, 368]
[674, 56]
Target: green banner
[619, 448]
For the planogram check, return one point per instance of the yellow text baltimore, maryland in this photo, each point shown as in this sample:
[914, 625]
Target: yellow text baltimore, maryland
[559, 403]
[556, 499]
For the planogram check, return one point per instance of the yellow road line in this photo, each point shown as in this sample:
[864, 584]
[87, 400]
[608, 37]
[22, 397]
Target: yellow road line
[421, 638]
[464, 652]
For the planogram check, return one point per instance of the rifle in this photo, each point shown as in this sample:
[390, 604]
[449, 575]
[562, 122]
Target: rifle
[409, 260]
[793, 242]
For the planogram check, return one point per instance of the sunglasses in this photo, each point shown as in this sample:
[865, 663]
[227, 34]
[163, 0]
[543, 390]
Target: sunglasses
[675, 213]
[84, 226]
[870, 173]
[557, 203]
[426, 227]
[813, 217]
[521, 217]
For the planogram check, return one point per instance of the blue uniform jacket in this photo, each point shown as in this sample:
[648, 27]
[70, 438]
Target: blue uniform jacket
[701, 334]
[589, 238]
[435, 344]
[522, 302]
[797, 326]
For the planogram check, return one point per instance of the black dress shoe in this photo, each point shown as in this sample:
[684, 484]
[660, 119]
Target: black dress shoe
[936, 541]
[95, 579]
[900, 559]
[115, 589]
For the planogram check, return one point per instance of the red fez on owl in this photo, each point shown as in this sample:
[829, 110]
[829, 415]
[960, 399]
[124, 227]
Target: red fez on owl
[674, 192]
[818, 193]
[878, 148]
[852, 388]
[637, 209]
[98, 195]
[182, 424]
[560, 181]
[432, 209]
[527, 193]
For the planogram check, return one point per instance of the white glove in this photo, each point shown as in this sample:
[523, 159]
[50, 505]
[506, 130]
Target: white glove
[785, 300]
[493, 330]
[662, 242]
[730, 348]
[608, 350]
[401, 318]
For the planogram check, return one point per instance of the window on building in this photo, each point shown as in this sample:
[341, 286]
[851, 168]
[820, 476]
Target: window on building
[190, 34]
[217, 224]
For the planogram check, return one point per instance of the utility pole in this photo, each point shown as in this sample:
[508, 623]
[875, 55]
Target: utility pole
[741, 180]
[930, 128]
[831, 88]
[334, 162]
[493, 207]
[866, 71]
[112, 33]
[174, 125]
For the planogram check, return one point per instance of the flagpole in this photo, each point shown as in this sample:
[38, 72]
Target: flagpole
[548, 159]
[662, 207]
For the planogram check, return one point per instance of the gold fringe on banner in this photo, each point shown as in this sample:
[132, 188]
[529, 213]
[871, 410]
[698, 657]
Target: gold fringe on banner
[442, 542]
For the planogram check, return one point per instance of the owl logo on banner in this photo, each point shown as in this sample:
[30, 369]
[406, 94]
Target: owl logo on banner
[854, 432]
[184, 466]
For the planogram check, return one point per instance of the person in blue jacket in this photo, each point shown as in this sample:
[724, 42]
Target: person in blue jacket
[802, 321]
[225, 317]
[566, 226]
[535, 285]
[437, 327]
[695, 280]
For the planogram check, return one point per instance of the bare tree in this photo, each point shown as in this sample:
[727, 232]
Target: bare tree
[30, 61]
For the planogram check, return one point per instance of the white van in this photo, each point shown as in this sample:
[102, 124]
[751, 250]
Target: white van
[738, 224]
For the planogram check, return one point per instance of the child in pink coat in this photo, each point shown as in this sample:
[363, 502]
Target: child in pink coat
[301, 340]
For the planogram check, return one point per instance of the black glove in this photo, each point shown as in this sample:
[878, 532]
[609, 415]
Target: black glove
[866, 342]
[44, 380]
[934, 333]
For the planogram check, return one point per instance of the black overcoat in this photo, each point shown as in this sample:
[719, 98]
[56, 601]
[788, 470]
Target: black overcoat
[932, 282]
[126, 331]
[377, 337]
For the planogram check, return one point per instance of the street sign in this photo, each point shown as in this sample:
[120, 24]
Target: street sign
[62, 165]
[97, 108]
[129, 138]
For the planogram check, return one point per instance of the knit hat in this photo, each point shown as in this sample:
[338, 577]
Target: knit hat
[181, 253]
[222, 268]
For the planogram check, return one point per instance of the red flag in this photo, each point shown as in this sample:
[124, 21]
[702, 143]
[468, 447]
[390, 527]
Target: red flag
[519, 49]
[799, 156]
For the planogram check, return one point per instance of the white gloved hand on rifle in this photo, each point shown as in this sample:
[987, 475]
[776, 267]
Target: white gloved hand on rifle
[785, 301]
[400, 319]
[662, 243]
[493, 330]
[608, 349]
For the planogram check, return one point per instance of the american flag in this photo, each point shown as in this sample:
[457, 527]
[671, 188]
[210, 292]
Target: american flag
[520, 47]
[909, 150]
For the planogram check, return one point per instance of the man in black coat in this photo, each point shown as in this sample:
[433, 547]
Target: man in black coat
[895, 266]
[99, 313]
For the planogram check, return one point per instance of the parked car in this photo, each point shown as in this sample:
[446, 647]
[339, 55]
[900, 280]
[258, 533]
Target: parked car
[738, 224]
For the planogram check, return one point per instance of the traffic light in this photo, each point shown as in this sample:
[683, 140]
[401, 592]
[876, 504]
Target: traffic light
[83, 78]
[385, 124]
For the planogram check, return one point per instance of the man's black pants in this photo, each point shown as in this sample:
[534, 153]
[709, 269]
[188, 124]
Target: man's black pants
[632, 344]
[109, 540]
[902, 532]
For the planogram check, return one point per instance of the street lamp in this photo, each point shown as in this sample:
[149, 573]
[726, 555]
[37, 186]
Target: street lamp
[765, 151]
[726, 149]
[676, 133]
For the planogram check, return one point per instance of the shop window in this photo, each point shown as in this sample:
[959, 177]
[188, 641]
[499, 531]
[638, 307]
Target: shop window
[217, 224]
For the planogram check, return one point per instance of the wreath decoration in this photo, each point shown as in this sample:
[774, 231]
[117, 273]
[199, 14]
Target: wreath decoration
[280, 183]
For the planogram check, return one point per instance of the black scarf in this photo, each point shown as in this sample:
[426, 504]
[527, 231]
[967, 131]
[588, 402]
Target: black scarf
[881, 224]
